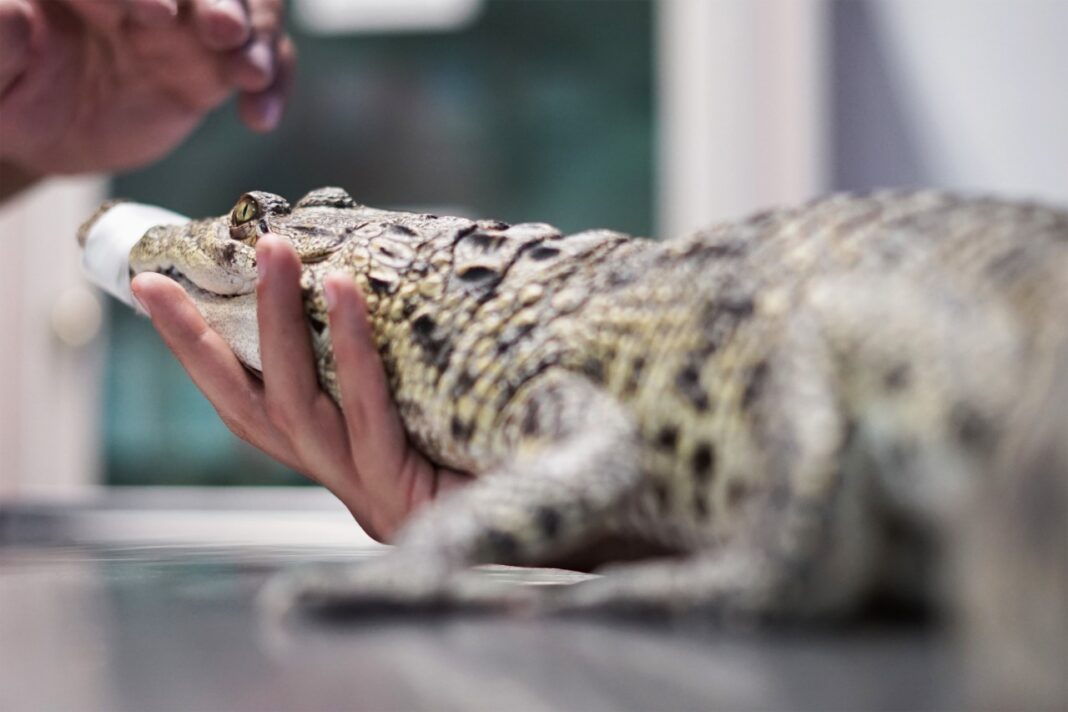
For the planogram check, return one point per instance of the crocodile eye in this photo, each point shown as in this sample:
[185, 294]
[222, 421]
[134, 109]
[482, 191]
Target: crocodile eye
[245, 210]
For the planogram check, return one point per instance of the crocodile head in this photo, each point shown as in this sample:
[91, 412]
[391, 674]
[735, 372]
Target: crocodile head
[214, 259]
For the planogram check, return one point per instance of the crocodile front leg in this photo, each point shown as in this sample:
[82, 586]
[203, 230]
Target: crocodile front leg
[577, 461]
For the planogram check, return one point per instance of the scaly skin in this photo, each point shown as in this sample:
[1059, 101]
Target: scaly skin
[800, 401]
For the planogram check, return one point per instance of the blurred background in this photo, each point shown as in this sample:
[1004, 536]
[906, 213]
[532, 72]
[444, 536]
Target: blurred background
[648, 117]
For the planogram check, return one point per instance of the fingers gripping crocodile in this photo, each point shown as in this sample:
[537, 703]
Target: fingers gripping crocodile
[793, 402]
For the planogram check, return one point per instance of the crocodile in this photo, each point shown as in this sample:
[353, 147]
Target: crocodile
[794, 408]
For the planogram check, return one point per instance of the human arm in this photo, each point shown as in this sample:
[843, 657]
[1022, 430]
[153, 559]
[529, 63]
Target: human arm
[91, 86]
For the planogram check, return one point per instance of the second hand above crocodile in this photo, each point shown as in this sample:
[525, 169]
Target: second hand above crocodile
[744, 394]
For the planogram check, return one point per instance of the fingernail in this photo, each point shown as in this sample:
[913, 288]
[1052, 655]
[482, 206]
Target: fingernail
[260, 56]
[331, 295]
[261, 261]
[269, 110]
[155, 13]
[140, 302]
[229, 27]
[230, 7]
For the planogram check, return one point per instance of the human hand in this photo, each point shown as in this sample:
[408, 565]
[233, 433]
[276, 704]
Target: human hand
[361, 455]
[89, 85]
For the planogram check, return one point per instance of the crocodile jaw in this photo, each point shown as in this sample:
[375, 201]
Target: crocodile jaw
[231, 317]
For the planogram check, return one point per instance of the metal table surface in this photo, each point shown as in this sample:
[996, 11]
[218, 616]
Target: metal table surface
[101, 624]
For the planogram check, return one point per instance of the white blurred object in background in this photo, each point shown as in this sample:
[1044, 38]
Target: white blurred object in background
[774, 101]
[335, 17]
[983, 90]
[106, 254]
[742, 104]
[50, 366]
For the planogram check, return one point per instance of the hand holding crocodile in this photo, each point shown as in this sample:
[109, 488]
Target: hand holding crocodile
[362, 455]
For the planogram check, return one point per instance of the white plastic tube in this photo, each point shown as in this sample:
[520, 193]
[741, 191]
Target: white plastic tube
[106, 253]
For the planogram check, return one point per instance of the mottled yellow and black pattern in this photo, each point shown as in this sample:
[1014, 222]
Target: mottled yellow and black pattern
[800, 401]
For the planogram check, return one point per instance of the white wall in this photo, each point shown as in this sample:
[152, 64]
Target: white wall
[741, 107]
[967, 94]
[50, 363]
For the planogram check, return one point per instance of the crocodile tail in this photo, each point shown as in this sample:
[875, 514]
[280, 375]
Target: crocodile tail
[1014, 557]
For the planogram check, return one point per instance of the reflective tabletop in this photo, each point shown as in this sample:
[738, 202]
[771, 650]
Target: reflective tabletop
[108, 624]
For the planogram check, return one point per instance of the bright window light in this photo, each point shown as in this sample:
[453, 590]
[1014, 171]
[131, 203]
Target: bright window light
[337, 17]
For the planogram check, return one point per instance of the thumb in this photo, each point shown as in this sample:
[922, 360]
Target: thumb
[15, 31]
